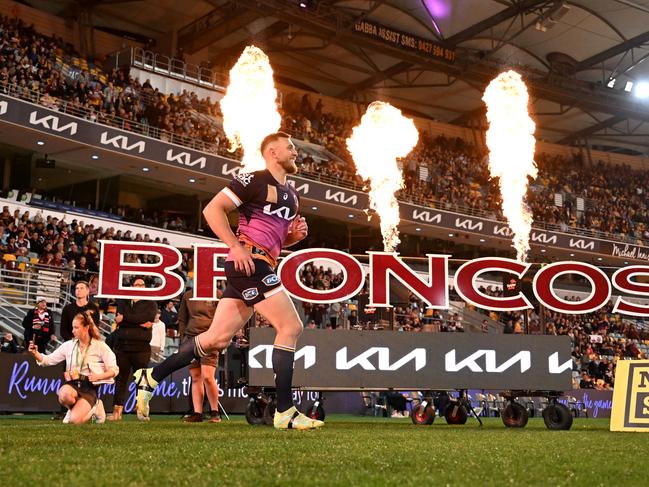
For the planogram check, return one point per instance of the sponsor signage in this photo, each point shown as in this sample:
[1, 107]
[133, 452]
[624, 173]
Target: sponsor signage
[35, 117]
[413, 361]
[403, 40]
[631, 396]
[26, 387]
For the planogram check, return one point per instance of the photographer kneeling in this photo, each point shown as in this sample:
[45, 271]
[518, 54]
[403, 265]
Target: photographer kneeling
[88, 363]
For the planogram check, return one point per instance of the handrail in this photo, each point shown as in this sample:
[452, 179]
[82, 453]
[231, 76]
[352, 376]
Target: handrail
[176, 68]
[200, 145]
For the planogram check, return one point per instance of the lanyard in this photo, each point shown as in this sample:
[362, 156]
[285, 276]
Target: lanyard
[85, 353]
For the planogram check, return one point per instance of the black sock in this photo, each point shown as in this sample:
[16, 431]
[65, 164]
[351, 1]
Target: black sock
[188, 351]
[283, 368]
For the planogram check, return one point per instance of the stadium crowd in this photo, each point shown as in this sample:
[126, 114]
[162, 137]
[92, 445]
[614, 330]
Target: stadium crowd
[439, 172]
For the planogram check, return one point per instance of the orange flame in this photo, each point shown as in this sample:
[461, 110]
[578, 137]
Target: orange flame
[249, 107]
[511, 143]
[383, 135]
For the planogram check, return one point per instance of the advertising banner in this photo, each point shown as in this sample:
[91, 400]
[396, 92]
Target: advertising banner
[373, 360]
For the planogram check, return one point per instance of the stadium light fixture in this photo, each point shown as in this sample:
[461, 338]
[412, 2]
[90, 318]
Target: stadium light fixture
[350, 216]
[40, 142]
[599, 258]
[642, 90]
[626, 263]
[417, 229]
[572, 255]
[543, 250]
[192, 180]
[145, 169]
[94, 157]
[450, 234]
[628, 86]
[611, 83]
[314, 208]
[482, 240]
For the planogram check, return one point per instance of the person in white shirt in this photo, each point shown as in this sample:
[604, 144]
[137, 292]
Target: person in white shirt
[158, 336]
[89, 362]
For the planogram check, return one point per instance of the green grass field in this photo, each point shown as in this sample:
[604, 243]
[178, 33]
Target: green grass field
[348, 451]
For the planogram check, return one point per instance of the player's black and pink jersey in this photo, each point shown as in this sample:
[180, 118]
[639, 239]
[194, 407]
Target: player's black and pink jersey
[266, 209]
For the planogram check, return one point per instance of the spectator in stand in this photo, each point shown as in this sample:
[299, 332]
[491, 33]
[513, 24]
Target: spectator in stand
[8, 343]
[169, 315]
[38, 324]
[80, 305]
[158, 335]
[132, 348]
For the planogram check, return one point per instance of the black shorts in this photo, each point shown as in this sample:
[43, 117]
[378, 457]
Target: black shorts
[211, 360]
[251, 289]
[85, 389]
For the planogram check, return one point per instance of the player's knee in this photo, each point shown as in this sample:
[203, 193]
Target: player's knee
[209, 380]
[294, 328]
[298, 328]
[76, 419]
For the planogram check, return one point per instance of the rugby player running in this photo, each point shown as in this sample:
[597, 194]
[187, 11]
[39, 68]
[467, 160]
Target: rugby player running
[268, 221]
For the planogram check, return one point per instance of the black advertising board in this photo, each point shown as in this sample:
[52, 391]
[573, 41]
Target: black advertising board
[350, 360]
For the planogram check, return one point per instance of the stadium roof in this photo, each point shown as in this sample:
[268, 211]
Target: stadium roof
[568, 51]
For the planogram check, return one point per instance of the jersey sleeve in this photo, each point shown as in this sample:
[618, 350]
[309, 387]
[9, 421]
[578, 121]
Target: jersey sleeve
[242, 188]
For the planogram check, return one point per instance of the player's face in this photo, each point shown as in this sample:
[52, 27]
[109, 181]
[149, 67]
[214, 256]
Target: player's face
[286, 155]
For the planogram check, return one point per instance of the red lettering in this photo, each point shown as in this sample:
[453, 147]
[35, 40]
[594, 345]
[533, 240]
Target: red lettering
[434, 292]
[113, 269]
[544, 291]
[206, 271]
[353, 275]
[466, 287]
[622, 281]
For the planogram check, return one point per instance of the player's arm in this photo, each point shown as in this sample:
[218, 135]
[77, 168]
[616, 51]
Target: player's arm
[216, 215]
[297, 231]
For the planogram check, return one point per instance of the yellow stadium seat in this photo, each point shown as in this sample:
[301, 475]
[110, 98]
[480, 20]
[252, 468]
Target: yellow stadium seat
[33, 260]
[9, 257]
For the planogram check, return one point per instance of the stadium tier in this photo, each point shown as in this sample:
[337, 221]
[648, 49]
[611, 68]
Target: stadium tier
[361, 153]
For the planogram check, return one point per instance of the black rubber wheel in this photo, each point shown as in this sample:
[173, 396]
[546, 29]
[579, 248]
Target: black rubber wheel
[423, 414]
[456, 413]
[557, 417]
[515, 415]
[269, 412]
[316, 412]
[255, 412]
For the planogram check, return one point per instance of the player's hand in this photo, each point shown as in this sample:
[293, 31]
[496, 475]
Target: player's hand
[147, 324]
[242, 259]
[299, 228]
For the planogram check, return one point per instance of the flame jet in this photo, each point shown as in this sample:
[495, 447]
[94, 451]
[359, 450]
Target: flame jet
[249, 107]
[511, 142]
[383, 135]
